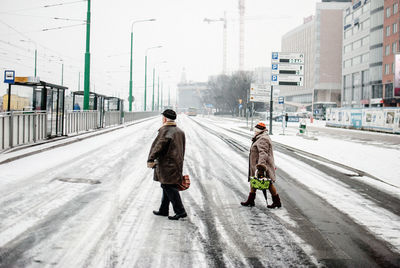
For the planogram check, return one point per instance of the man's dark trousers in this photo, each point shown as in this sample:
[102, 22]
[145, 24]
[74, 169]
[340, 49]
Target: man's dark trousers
[171, 194]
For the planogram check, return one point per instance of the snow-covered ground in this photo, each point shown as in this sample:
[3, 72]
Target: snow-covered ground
[379, 162]
[89, 203]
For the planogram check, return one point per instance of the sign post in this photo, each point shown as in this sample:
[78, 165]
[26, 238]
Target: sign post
[258, 93]
[287, 70]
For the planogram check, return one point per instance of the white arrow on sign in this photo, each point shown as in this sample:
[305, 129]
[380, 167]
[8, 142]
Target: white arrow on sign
[287, 80]
[294, 69]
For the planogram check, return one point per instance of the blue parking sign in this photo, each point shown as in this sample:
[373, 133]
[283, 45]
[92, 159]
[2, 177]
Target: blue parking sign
[275, 55]
[274, 78]
[274, 66]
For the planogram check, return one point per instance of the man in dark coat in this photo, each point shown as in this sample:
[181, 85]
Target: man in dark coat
[166, 158]
[261, 159]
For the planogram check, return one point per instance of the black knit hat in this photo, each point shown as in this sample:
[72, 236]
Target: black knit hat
[170, 114]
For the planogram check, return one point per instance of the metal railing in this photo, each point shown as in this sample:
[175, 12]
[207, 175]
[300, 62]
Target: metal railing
[132, 116]
[79, 121]
[17, 128]
[112, 118]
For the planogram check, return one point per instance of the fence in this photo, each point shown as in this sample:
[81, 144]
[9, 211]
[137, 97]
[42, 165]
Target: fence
[18, 128]
[112, 118]
[377, 119]
[77, 121]
[132, 116]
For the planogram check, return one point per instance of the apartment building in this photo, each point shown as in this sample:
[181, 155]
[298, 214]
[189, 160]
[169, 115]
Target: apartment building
[391, 98]
[320, 39]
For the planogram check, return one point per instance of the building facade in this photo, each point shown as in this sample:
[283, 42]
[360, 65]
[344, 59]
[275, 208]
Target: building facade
[320, 39]
[390, 49]
[362, 54]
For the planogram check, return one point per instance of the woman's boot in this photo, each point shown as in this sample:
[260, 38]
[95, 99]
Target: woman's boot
[250, 200]
[276, 202]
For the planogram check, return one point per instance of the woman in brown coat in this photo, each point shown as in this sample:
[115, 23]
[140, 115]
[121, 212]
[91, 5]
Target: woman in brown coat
[261, 158]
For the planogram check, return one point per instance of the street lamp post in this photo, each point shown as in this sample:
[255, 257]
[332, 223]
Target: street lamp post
[131, 65]
[31, 41]
[87, 62]
[152, 102]
[145, 75]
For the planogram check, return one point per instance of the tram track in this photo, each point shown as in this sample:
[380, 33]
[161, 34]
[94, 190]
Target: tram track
[336, 238]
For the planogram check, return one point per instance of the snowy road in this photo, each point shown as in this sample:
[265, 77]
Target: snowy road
[89, 204]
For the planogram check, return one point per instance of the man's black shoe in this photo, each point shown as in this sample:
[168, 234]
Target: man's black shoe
[178, 216]
[158, 213]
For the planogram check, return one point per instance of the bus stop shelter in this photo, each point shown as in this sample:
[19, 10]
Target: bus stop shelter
[42, 97]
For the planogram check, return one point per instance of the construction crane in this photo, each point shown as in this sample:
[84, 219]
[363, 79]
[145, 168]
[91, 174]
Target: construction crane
[224, 50]
[241, 34]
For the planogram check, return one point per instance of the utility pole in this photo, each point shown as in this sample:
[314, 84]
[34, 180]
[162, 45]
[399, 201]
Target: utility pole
[87, 62]
[224, 46]
[62, 74]
[152, 103]
[241, 34]
[158, 94]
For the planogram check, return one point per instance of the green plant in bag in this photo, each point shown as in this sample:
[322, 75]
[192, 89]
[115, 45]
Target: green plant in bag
[259, 183]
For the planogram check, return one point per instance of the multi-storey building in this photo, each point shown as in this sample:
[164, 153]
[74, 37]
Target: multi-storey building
[390, 49]
[320, 39]
[362, 54]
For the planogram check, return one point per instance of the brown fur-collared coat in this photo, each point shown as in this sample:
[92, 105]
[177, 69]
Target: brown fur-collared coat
[261, 153]
[168, 151]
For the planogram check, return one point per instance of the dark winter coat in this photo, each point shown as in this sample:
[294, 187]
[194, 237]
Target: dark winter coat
[261, 153]
[168, 151]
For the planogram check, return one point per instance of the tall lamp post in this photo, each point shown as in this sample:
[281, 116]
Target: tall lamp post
[130, 80]
[87, 62]
[33, 42]
[145, 75]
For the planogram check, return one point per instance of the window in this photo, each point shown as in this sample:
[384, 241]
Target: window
[347, 63]
[365, 41]
[357, 44]
[347, 48]
[366, 8]
[388, 12]
[356, 60]
[347, 33]
[387, 69]
[393, 68]
[365, 57]
[365, 24]
[395, 27]
[387, 30]
[387, 50]
[394, 47]
[348, 19]
[395, 8]
[357, 13]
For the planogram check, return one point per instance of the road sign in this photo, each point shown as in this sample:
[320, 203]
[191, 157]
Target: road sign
[287, 57]
[259, 98]
[260, 92]
[9, 77]
[287, 80]
[281, 100]
[294, 69]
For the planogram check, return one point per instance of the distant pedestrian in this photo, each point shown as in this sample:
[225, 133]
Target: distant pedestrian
[166, 158]
[261, 158]
[286, 119]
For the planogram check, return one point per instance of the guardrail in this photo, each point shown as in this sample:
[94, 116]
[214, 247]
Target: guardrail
[17, 128]
[79, 121]
[112, 118]
[132, 116]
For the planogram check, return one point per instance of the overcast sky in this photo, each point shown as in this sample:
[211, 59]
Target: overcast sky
[187, 41]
